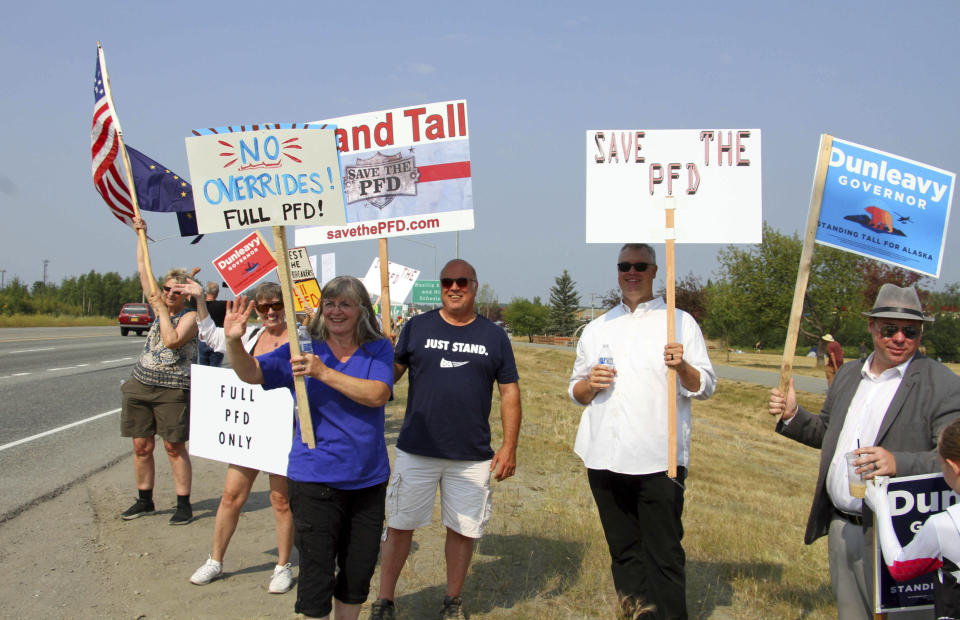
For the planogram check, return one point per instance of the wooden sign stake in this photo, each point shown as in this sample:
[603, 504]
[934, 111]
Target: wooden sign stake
[385, 290]
[806, 259]
[286, 286]
[670, 238]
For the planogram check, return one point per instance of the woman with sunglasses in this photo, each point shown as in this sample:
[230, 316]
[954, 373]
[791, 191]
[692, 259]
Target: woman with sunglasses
[156, 398]
[258, 340]
[337, 490]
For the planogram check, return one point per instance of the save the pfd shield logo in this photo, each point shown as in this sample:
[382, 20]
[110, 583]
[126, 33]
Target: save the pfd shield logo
[381, 178]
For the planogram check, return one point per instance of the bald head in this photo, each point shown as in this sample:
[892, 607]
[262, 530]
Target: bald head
[456, 264]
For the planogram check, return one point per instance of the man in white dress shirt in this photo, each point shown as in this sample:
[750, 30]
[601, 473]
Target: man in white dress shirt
[623, 433]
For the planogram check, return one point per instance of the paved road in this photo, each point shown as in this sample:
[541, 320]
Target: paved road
[49, 378]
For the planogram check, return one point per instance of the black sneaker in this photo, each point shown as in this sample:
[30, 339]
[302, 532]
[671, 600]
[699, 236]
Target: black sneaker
[382, 609]
[140, 507]
[182, 516]
[452, 608]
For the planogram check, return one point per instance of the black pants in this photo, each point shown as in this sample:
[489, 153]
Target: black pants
[337, 533]
[640, 515]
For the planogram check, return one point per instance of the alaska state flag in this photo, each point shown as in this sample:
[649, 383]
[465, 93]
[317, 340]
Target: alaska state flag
[160, 190]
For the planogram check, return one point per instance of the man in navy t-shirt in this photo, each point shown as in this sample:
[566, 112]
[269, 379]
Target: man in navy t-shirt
[454, 356]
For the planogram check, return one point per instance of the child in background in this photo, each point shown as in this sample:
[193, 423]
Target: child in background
[936, 547]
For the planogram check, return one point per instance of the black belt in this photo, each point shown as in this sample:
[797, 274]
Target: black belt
[849, 518]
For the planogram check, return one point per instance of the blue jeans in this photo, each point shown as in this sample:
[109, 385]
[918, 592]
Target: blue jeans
[209, 357]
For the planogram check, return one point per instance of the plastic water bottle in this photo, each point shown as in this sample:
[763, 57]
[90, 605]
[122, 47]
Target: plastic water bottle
[606, 357]
[306, 342]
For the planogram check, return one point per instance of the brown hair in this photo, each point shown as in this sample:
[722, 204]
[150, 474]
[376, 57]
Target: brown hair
[949, 444]
[368, 329]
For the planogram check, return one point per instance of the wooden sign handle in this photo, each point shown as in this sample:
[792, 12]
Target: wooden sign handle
[299, 383]
[806, 259]
[385, 290]
[671, 337]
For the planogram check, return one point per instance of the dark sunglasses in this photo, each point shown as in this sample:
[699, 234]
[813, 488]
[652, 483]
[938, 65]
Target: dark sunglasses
[277, 306]
[461, 282]
[909, 331]
[167, 289]
[625, 267]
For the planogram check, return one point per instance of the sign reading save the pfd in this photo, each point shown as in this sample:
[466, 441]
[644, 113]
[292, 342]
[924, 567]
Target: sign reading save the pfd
[265, 177]
[885, 207]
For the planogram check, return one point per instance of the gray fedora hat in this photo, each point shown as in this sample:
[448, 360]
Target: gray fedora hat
[894, 302]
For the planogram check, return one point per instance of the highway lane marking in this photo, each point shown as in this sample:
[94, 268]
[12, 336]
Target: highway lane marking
[23, 374]
[67, 367]
[52, 431]
[30, 350]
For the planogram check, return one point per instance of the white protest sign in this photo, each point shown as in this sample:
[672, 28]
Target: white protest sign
[265, 177]
[401, 280]
[715, 173]
[328, 267]
[406, 171]
[238, 423]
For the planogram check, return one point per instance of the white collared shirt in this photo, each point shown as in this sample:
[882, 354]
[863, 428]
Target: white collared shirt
[862, 423]
[624, 428]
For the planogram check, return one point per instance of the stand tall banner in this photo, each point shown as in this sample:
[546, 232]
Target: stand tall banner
[885, 207]
[713, 174]
[913, 500]
[265, 175]
[406, 171]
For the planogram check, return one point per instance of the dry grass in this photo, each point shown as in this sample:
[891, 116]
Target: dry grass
[50, 320]
[544, 554]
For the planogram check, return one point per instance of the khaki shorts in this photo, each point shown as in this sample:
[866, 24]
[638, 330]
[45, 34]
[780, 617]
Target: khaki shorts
[465, 494]
[150, 410]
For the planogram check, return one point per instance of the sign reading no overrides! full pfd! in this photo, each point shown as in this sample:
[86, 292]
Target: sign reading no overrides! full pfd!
[265, 177]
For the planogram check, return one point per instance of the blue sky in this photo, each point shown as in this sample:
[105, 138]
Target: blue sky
[535, 76]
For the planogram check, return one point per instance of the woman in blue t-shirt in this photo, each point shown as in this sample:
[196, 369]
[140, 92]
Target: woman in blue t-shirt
[337, 490]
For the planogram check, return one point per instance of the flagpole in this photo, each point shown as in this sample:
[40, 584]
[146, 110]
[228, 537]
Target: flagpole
[141, 234]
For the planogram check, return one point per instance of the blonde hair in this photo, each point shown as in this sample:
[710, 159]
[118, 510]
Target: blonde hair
[176, 274]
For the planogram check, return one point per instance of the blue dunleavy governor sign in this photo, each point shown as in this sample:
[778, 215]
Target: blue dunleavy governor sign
[885, 207]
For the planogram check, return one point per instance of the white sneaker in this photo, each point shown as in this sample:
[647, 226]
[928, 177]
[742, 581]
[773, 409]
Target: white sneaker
[282, 579]
[210, 570]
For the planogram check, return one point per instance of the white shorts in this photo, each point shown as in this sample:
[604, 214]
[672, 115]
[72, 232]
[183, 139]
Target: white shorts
[465, 494]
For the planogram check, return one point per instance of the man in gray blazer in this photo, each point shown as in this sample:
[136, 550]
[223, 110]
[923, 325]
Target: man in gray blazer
[889, 410]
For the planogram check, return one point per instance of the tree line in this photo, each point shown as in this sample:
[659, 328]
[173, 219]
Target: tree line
[748, 300]
[92, 294]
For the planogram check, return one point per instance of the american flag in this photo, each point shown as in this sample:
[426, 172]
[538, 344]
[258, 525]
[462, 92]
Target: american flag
[104, 147]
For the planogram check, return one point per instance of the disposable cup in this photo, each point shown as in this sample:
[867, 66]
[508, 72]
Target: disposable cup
[858, 486]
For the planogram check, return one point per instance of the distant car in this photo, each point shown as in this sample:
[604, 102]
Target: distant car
[135, 318]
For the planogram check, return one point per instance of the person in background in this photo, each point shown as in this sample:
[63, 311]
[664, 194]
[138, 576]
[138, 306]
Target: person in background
[337, 490]
[209, 356]
[834, 357]
[156, 398]
[257, 340]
